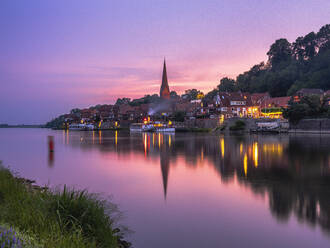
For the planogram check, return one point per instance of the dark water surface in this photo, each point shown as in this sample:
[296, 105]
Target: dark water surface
[191, 190]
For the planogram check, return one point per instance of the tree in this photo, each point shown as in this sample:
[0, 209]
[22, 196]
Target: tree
[145, 100]
[303, 64]
[253, 80]
[296, 112]
[123, 100]
[227, 85]
[279, 52]
[323, 37]
[305, 48]
[308, 106]
[97, 118]
[173, 95]
[179, 116]
[75, 111]
[210, 95]
[314, 104]
[192, 94]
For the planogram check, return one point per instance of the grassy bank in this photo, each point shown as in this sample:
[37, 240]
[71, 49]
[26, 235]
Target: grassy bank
[56, 218]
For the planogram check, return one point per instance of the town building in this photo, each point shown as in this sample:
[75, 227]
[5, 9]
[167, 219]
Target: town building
[273, 107]
[234, 104]
[307, 92]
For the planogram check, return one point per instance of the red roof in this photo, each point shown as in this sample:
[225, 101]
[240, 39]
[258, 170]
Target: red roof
[105, 114]
[227, 97]
[144, 108]
[124, 108]
[257, 98]
[305, 91]
[276, 102]
[186, 107]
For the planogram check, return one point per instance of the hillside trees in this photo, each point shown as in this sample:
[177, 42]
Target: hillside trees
[227, 85]
[304, 63]
[308, 107]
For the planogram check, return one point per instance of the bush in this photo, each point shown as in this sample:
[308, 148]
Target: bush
[87, 212]
[308, 106]
[179, 116]
[52, 219]
[239, 125]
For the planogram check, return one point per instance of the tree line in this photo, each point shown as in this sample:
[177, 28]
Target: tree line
[305, 63]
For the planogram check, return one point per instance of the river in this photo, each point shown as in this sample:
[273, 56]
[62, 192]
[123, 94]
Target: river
[191, 190]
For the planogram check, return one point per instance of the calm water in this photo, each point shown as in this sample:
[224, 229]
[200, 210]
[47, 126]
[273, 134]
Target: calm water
[191, 190]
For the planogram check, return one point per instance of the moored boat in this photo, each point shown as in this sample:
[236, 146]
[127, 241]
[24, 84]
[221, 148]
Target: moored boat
[140, 127]
[165, 129]
[81, 127]
[151, 127]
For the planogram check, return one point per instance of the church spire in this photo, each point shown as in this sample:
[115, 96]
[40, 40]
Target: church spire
[164, 89]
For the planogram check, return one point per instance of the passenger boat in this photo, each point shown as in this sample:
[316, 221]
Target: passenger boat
[141, 127]
[81, 127]
[151, 127]
[162, 127]
[165, 129]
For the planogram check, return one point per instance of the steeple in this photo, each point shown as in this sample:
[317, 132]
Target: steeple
[164, 89]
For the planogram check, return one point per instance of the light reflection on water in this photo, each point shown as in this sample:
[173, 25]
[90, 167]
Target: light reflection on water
[192, 190]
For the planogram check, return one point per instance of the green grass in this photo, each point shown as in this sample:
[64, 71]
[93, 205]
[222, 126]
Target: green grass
[56, 218]
[220, 128]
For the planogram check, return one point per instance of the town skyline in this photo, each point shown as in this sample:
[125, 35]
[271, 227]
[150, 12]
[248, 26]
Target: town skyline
[72, 58]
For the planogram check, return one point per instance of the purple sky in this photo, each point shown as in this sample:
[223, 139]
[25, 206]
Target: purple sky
[58, 55]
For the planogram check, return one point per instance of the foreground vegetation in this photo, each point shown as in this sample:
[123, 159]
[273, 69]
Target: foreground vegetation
[55, 218]
[308, 107]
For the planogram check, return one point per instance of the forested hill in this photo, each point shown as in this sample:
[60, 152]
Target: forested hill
[304, 63]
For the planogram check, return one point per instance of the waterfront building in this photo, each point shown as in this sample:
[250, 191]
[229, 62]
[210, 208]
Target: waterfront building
[234, 104]
[272, 107]
[307, 92]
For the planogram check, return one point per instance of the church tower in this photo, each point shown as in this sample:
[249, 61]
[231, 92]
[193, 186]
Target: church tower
[164, 89]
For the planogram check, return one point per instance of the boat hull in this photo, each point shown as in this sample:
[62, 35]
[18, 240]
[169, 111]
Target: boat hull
[165, 130]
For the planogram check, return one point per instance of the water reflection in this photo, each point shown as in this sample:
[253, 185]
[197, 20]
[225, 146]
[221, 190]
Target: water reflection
[50, 151]
[293, 172]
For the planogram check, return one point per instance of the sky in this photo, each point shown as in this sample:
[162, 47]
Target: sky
[63, 54]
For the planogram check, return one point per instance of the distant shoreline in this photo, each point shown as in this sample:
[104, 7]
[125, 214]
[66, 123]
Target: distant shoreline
[183, 130]
[21, 126]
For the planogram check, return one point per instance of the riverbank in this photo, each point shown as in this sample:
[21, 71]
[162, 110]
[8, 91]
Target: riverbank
[21, 126]
[65, 218]
[98, 129]
[309, 131]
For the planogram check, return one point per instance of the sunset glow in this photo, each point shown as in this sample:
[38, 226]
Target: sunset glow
[83, 53]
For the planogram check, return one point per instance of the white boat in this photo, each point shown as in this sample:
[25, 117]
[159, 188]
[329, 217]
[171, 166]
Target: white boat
[136, 127]
[81, 127]
[148, 128]
[140, 127]
[268, 125]
[151, 127]
[165, 129]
